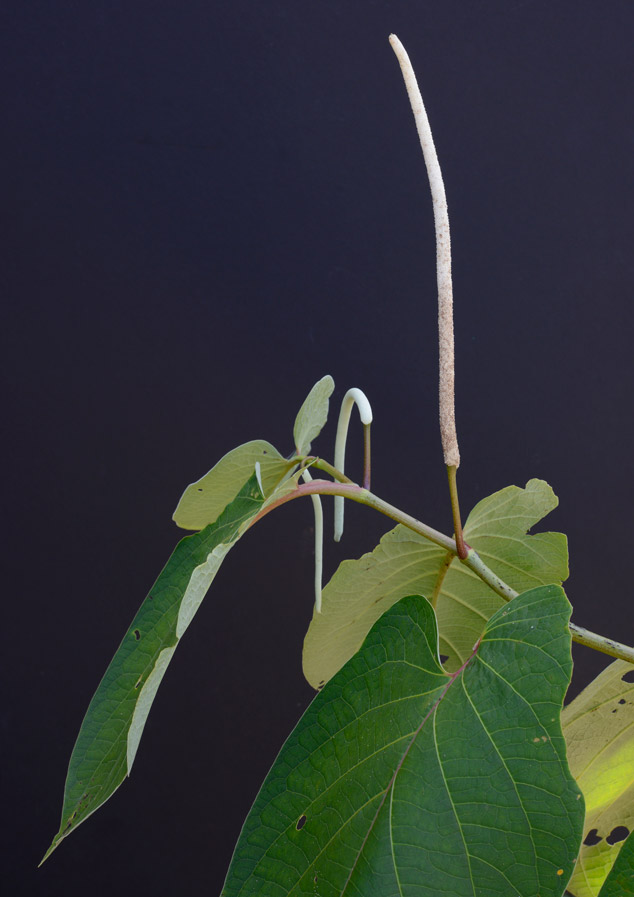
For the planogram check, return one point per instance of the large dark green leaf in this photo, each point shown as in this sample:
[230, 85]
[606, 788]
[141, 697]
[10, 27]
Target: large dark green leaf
[111, 730]
[403, 781]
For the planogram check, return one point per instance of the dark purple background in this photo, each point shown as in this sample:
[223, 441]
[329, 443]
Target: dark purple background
[208, 206]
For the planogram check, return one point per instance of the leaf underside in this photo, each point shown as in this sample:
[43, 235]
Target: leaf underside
[202, 502]
[313, 414]
[599, 730]
[112, 728]
[403, 781]
[404, 563]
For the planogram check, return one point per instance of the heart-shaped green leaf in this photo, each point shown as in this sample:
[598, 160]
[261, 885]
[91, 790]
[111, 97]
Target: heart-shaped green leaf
[403, 781]
[599, 730]
[404, 563]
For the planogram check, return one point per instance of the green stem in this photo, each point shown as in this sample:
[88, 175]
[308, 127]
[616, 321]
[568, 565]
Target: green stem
[473, 560]
[463, 550]
[601, 643]
[320, 464]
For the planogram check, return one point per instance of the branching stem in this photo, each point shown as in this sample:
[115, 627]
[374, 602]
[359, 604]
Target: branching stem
[472, 560]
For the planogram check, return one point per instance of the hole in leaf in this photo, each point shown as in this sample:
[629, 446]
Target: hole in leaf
[622, 701]
[321, 685]
[628, 677]
[592, 838]
[617, 834]
[443, 658]
[137, 634]
[199, 489]
[615, 709]
[301, 822]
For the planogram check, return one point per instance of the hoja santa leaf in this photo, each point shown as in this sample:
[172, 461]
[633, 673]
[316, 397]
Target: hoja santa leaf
[313, 414]
[620, 881]
[403, 781]
[203, 501]
[404, 563]
[112, 728]
[599, 730]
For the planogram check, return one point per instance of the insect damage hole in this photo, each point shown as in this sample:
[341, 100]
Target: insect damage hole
[592, 838]
[136, 634]
[617, 834]
[628, 677]
[301, 822]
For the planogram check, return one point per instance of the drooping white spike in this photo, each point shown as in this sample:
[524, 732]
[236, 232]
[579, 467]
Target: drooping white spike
[319, 542]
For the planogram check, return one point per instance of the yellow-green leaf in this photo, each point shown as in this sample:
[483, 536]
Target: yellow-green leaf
[313, 414]
[404, 563]
[203, 501]
[599, 730]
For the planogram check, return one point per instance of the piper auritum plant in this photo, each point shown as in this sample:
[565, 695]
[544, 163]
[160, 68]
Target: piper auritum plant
[436, 757]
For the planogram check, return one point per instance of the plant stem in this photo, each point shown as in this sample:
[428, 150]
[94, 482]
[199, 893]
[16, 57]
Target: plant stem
[367, 458]
[320, 464]
[601, 643]
[463, 550]
[473, 560]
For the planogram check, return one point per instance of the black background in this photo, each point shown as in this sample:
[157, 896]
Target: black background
[208, 206]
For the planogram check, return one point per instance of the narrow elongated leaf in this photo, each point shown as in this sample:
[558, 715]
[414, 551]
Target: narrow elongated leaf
[599, 730]
[112, 728]
[313, 414]
[203, 501]
[620, 881]
[404, 563]
[403, 781]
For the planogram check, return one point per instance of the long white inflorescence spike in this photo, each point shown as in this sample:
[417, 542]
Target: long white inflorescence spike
[352, 397]
[319, 542]
[443, 259]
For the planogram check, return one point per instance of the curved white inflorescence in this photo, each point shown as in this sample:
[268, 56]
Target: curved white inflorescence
[352, 397]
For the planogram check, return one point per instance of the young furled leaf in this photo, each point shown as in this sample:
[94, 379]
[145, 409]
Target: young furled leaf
[313, 414]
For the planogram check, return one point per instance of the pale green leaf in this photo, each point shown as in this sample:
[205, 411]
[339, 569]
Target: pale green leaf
[599, 730]
[313, 414]
[203, 501]
[112, 728]
[620, 881]
[403, 781]
[404, 563]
